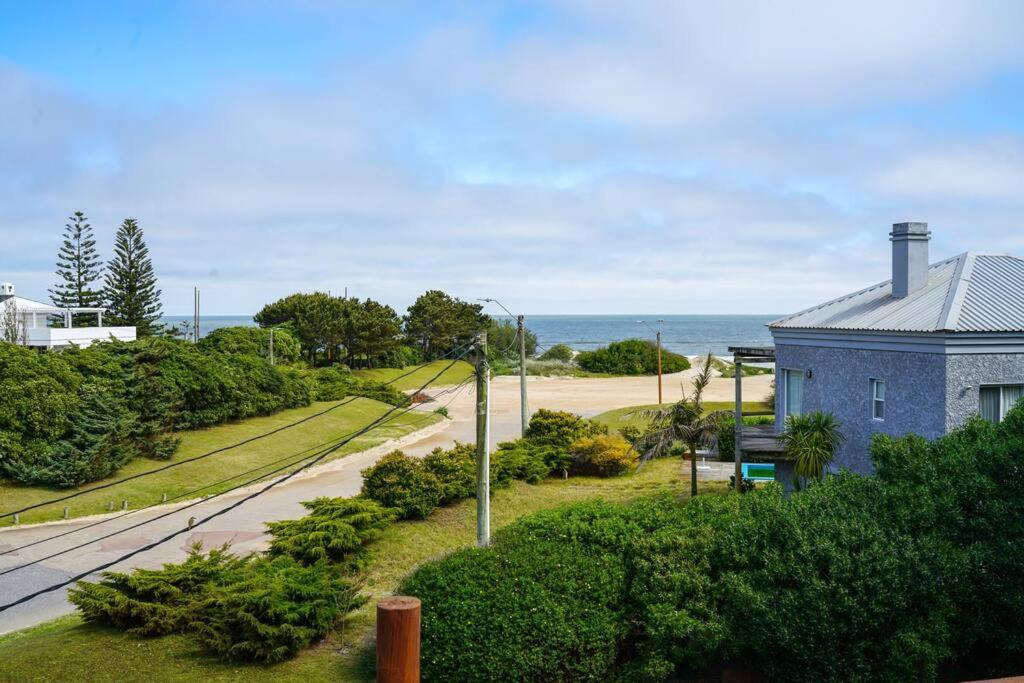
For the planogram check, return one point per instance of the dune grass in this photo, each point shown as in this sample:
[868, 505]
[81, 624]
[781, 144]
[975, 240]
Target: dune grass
[68, 650]
[457, 373]
[269, 453]
[631, 416]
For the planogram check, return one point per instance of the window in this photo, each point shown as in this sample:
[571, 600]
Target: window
[878, 399]
[794, 389]
[995, 401]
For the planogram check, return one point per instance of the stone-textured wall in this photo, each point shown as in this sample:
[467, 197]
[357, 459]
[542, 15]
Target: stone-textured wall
[965, 373]
[840, 384]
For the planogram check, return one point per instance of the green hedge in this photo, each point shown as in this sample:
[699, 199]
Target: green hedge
[725, 436]
[911, 574]
[631, 357]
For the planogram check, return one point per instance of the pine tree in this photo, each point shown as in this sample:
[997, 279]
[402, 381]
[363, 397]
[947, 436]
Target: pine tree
[131, 294]
[78, 268]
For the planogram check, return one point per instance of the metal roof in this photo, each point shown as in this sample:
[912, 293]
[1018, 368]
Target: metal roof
[967, 293]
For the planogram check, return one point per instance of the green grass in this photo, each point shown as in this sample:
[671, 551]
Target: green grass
[293, 443]
[68, 650]
[457, 373]
[622, 417]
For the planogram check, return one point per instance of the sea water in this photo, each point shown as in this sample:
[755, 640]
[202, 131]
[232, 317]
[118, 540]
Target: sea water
[686, 334]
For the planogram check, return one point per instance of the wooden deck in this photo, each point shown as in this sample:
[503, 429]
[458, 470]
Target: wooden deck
[760, 440]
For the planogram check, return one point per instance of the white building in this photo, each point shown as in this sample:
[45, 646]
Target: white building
[32, 320]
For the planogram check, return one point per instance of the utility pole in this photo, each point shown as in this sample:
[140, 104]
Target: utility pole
[483, 437]
[523, 405]
[738, 433]
[657, 336]
[195, 314]
[271, 345]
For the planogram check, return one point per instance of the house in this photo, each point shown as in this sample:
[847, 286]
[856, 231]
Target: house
[921, 353]
[27, 321]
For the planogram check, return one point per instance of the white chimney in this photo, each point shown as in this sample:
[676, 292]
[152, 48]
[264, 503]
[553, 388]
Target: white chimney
[909, 257]
[6, 289]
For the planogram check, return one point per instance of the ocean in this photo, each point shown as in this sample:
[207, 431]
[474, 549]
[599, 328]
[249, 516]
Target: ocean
[686, 334]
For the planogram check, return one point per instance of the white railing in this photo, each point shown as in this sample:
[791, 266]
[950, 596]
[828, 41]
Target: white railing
[79, 336]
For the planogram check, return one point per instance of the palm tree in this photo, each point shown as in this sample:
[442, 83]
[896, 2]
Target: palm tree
[812, 440]
[684, 421]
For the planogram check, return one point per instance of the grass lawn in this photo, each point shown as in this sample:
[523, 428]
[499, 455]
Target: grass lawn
[293, 443]
[63, 649]
[458, 372]
[622, 417]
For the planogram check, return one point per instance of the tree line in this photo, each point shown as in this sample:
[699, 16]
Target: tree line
[126, 285]
[367, 333]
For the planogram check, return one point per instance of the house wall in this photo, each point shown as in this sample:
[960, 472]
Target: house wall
[966, 373]
[840, 384]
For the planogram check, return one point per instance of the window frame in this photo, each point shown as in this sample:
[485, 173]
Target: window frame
[785, 391]
[1002, 387]
[877, 402]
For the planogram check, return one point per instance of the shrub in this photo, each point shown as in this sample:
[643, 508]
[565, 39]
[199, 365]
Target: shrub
[603, 456]
[561, 429]
[552, 368]
[152, 602]
[401, 357]
[253, 341]
[559, 352]
[398, 481]
[518, 613]
[455, 469]
[631, 357]
[273, 610]
[334, 529]
[523, 459]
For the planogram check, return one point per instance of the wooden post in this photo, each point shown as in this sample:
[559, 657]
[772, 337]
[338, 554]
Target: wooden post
[738, 433]
[658, 336]
[523, 406]
[398, 640]
[483, 436]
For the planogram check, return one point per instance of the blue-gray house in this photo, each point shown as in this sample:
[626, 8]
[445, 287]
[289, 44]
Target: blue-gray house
[919, 353]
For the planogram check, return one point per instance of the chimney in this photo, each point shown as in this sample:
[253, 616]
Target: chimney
[6, 289]
[909, 257]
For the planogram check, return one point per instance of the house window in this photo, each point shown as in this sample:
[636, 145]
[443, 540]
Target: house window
[995, 401]
[794, 390]
[878, 399]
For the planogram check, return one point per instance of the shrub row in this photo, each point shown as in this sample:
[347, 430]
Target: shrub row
[556, 442]
[80, 414]
[911, 574]
[631, 357]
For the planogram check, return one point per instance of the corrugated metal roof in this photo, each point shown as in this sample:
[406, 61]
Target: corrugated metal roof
[967, 293]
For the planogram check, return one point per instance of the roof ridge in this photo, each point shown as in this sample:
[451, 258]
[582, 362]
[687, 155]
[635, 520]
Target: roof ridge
[949, 319]
[840, 299]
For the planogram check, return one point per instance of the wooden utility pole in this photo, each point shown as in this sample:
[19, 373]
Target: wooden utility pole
[738, 433]
[483, 437]
[524, 407]
[271, 345]
[398, 640]
[658, 336]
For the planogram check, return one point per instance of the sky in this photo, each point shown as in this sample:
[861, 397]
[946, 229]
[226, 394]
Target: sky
[575, 156]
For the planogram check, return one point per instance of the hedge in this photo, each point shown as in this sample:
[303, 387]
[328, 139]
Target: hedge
[910, 574]
[631, 357]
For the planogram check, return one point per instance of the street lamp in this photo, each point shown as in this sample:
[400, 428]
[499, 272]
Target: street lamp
[657, 335]
[521, 324]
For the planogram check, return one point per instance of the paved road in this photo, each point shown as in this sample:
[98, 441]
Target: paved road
[244, 526]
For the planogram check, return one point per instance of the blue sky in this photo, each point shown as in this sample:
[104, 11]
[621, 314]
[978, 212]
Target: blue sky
[572, 156]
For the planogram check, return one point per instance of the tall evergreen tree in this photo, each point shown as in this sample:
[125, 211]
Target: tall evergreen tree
[131, 294]
[78, 269]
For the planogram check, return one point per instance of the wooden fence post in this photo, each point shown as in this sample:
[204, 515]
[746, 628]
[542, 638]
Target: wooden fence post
[398, 640]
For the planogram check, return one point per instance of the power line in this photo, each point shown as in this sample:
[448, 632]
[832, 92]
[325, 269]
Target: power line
[207, 454]
[222, 511]
[105, 520]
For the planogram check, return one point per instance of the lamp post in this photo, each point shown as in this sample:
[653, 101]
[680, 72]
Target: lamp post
[524, 408]
[657, 336]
